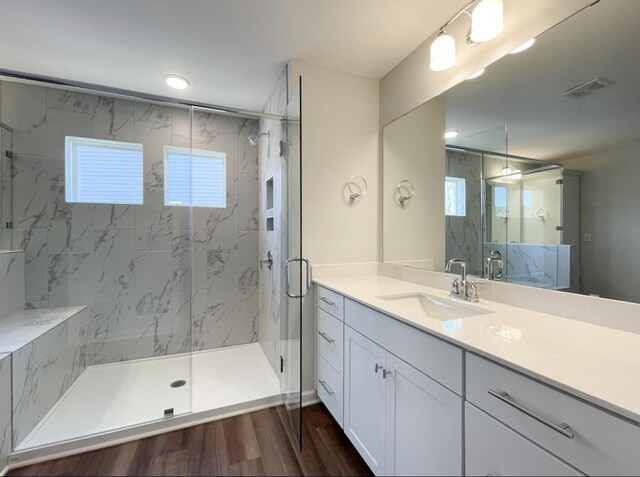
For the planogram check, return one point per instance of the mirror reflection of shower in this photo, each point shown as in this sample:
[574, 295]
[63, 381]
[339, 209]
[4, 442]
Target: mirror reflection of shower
[515, 207]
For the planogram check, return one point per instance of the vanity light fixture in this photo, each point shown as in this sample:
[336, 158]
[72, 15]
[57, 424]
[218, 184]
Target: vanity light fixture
[525, 46]
[487, 22]
[451, 134]
[512, 173]
[477, 74]
[443, 52]
[176, 81]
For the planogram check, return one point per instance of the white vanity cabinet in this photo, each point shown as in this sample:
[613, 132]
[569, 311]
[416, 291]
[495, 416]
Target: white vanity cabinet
[491, 448]
[329, 351]
[414, 404]
[584, 436]
[400, 420]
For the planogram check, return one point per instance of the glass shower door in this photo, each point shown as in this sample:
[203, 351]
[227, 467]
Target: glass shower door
[296, 269]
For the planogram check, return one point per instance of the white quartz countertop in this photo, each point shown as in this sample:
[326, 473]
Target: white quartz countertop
[598, 364]
[22, 328]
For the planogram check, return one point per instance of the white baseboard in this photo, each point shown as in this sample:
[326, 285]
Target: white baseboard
[4, 471]
[310, 397]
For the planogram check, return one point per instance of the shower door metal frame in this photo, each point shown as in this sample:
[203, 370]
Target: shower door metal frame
[296, 289]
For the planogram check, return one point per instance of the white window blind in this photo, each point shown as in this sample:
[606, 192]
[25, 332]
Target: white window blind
[103, 172]
[195, 177]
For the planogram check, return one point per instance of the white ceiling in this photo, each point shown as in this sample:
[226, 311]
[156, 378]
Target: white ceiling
[231, 50]
[524, 90]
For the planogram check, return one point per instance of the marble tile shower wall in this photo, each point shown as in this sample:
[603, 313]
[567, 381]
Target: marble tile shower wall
[11, 283]
[132, 264]
[5, 409]
[44, 369]
[464, 234]
[539, 265]
[271, 281]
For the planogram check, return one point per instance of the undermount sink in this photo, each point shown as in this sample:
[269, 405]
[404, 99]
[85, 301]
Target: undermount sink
[442, 309]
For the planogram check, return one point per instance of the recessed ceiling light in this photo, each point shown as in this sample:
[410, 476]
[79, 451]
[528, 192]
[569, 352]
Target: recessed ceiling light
[450, 134]
[176, 81]
[525, 46]
[476, 74]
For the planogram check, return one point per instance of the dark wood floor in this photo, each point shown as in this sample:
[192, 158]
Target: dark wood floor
[259, 443]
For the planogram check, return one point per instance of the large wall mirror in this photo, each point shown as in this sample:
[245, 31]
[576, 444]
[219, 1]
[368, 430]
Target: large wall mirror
[539, 169]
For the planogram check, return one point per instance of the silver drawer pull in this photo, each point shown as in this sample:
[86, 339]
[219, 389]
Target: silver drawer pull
[326, 387]
[327, 301]
[563, 429]
[326, 336]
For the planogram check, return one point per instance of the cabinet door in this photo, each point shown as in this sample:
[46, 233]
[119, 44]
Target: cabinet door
[364, 398]
[494, 449]
[424, 423]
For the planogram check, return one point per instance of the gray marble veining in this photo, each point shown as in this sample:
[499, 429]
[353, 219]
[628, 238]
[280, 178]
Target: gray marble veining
[25, 326]
[270, 282]
[133, 266]
[463, 235]
[12, 275]
[45, 367]
[5, 409]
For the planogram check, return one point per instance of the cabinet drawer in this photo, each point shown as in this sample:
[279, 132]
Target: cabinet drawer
[491, 448]
[601, 443]
[331, 302]
[436, 358]
[330, 339]
[330, 389]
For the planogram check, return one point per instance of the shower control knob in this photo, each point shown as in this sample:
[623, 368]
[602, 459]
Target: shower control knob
[268, 260]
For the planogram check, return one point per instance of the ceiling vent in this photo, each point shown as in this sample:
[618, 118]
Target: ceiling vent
[585, 89]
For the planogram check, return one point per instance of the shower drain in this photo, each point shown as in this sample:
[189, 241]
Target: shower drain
[179, 383]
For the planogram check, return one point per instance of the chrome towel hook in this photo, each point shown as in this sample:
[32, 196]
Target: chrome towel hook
[402, 197]
[360, 191]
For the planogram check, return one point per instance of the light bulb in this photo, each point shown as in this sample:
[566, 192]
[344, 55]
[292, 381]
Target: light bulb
[451, 134]
[443, 52]
[487, 20]
[476, 74]
[177, 82]
[525, 46]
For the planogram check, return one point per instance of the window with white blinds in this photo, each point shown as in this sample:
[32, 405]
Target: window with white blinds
[103, 172]
[194, 177]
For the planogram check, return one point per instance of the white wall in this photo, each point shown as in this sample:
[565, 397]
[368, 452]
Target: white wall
[610, 212]
[414, 150]
[411, 82]
[340, 139]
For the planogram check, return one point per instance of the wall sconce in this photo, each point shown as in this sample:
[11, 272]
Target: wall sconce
[487, 22]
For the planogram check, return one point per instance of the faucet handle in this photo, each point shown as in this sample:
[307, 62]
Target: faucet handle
[472, 289]
[455, 286]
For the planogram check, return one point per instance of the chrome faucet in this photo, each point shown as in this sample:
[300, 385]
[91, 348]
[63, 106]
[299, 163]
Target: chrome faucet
[462, 288]
[495, 258]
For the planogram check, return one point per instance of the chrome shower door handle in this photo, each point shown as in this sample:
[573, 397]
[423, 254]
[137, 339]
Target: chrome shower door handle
[288, 263]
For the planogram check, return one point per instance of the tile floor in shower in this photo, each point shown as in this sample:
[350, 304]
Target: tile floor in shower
[114, 396]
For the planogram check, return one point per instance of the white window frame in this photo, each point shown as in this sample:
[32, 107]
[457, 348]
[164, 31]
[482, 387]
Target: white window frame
[71, 162]
[201, 153]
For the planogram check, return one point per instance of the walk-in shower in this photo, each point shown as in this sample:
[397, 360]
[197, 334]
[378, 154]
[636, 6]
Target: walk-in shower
[158, 296]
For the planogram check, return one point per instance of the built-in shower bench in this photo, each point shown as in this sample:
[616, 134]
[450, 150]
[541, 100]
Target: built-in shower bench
[45, 351]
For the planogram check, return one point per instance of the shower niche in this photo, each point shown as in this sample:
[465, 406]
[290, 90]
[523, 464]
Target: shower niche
[269, 195]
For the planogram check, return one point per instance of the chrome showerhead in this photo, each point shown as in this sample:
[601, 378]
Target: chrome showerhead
[253, 140]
